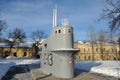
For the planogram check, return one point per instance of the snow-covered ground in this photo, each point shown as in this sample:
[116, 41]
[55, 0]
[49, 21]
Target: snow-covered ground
[110, 68]
[5, 64]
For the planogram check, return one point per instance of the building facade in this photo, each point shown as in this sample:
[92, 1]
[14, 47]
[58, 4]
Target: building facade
[23, 50]
[104, 51]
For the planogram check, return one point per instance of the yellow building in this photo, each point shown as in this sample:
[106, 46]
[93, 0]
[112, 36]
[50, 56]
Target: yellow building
[15, 51]
[105, 51]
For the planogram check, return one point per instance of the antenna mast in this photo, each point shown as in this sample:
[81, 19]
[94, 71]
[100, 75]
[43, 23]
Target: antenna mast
[55, 17]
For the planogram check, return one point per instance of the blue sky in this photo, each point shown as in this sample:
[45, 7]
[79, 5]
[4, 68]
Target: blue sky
[31, 15]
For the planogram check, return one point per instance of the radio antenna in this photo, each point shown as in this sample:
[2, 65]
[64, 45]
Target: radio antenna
[55, 17]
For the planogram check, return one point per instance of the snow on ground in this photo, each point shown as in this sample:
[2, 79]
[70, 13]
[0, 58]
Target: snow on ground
[110, 68]
[5, 64]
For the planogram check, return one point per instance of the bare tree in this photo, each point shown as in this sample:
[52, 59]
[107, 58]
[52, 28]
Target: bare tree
[17, 34]
[112, 39]
[3, 27]
[102, 40]
[15, 37]
[10, 41]
[37, 36]
[112, 14]
[92, 37]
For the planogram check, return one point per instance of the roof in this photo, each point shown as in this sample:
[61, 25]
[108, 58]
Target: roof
[26, 44]
[97, 42]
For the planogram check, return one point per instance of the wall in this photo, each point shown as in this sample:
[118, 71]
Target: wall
[104, 52]
[17, 52]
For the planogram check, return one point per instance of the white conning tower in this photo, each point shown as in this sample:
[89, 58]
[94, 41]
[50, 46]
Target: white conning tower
[62, 36]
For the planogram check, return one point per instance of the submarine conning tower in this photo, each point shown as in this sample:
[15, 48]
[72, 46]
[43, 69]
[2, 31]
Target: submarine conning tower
[57, 52]
[61, 37]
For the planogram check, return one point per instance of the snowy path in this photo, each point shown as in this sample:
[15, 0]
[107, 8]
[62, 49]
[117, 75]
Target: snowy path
[110, 68]
[5, 64]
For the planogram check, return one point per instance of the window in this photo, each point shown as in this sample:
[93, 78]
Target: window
[89, 57]
[7, 53]
[55, 32]
[69, 31]
[15, 54]
[88, 49]
[25, 54]
[114, 58]
[96, 49]
[45, 45]
[84, 50]
[104, 49]
[59, 31]
[38, 56]
[85, 57]
[112, 50]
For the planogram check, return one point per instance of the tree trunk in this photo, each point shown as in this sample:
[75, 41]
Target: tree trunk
[92, 51]
[101, 50]
[119, 49]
